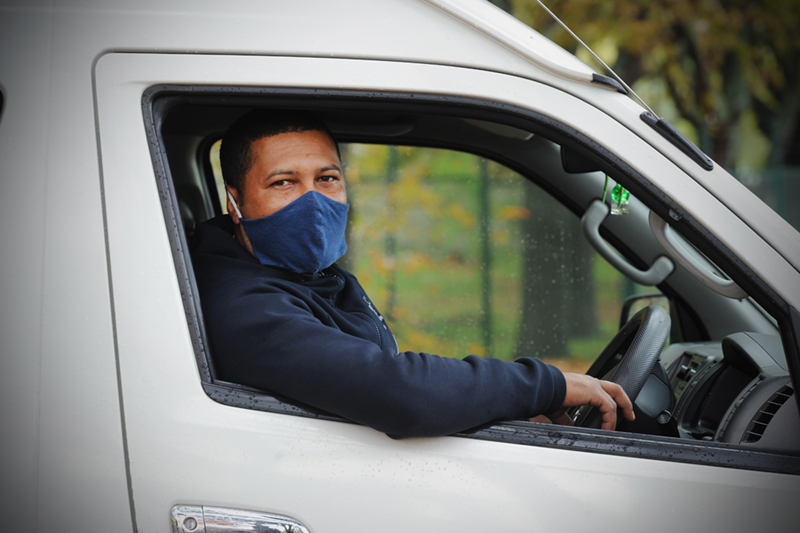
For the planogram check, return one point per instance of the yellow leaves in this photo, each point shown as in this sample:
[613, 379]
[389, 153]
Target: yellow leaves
[432, 290]
[764, 72]
[579, 366]
[416, 262]
[461, 215]
[513, 212]
[381, 263]
[500, 236]
[758, 145]
[717, 57]
[688, 129]
[410, 191]
[476, 348]
[416, 340]
[606, 48]
[454, 259]
[371, 159]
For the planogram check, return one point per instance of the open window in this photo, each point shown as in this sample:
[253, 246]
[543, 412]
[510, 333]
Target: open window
[464, 256]
[465, 230]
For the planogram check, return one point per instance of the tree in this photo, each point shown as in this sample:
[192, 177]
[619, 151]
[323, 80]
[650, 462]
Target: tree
[558, 296]
[718, 61]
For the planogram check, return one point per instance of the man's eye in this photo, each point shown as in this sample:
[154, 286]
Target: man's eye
[329, 178]
[280, 183]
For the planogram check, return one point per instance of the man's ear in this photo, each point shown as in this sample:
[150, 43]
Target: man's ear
[233, 204]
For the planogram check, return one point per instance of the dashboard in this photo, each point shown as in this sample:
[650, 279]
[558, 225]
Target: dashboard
[736, 391]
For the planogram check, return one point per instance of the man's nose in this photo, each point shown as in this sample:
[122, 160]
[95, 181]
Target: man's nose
[307, 185]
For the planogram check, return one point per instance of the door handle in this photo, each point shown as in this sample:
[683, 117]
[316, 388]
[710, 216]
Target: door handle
[204, 519]
[702, 273]
[594, 216]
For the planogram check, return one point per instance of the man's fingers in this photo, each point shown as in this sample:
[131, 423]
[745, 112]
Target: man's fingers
[607, 407]
[603, 395]
[609, 420]
[618, 395]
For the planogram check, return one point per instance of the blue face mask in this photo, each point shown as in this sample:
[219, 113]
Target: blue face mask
[305, 236]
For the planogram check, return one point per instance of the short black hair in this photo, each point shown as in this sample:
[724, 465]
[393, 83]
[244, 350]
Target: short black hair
[235, 153]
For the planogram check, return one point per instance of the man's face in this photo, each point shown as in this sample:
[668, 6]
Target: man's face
[285, 167]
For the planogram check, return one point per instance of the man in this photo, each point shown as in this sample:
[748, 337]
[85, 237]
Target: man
[283, 317]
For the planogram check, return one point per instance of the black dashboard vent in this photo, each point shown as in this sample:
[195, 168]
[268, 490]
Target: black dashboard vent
[760, 422]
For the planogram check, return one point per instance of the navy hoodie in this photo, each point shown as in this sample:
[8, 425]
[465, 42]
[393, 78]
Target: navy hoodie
[318, 339]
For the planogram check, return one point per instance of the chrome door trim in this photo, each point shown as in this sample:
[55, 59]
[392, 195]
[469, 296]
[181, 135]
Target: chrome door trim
[203, 519]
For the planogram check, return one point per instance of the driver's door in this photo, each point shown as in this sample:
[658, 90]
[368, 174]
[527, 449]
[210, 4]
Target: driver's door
[186, 447]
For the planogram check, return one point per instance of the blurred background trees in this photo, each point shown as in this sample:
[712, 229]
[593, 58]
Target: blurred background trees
[724, 72]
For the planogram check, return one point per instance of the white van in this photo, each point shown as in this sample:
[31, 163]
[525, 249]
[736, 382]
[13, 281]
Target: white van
[112, 416]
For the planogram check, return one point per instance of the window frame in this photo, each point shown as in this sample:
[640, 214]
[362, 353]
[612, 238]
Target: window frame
[158, 100]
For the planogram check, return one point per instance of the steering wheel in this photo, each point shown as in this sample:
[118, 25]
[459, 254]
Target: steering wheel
[629, 358]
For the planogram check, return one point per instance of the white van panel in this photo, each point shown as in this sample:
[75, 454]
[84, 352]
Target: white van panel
[186, 449]
[59, 356]
[23, 127]
[95, 347]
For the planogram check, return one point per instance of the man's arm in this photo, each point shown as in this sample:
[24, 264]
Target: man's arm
[279, 335]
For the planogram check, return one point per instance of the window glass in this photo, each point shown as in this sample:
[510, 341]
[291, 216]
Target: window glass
[464, 256]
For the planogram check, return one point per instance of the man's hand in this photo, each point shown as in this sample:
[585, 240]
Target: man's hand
[604, 395]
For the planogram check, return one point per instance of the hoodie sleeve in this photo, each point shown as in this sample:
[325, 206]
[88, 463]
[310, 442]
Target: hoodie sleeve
[272, 335]
[270, 339]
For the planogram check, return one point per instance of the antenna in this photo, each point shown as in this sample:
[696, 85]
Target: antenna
[597, 58]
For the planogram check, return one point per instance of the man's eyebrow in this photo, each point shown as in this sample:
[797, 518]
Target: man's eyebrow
[281, 172]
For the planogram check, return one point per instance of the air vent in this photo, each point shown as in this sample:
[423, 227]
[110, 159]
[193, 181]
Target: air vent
[760, 422]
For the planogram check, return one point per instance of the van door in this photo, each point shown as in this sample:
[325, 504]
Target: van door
[196, 458]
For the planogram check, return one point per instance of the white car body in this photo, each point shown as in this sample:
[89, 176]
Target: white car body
[106, 424]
